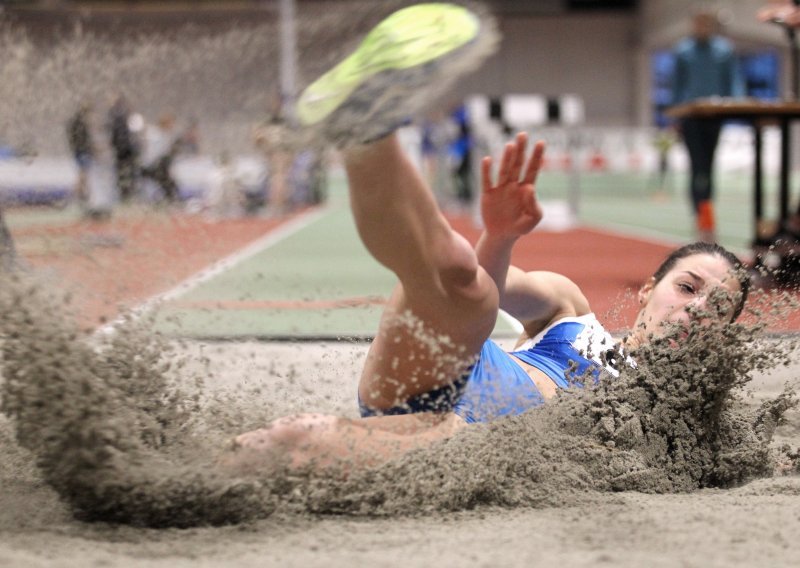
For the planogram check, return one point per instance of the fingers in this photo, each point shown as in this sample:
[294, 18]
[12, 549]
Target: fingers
[513, 159]
[486, 173]
[512, 162]
[519, 158]
[506, 164]
[535, 163]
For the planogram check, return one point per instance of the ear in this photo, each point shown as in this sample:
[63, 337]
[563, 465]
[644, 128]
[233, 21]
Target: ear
[646, 290]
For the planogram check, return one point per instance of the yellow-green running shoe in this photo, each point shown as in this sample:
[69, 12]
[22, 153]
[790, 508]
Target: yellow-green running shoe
[406, 60]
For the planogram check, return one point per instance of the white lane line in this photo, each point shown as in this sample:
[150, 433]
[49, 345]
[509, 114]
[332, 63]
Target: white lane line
[270, 239]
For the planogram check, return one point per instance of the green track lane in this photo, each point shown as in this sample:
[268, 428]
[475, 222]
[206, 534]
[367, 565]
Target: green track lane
[318, 282]
[325, 262]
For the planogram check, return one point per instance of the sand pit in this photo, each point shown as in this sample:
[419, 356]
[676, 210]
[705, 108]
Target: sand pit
[749, 525]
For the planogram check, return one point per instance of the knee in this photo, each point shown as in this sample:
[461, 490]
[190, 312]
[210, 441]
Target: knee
[457, 264]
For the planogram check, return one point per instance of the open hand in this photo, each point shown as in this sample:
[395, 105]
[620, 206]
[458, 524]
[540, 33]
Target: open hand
[509, 207]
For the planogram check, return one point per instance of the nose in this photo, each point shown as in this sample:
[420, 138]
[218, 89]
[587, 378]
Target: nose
[697, 309]
[698, 303]
[704, 311]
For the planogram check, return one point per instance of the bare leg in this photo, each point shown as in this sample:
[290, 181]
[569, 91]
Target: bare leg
[441, 284]
[454, 305]
[445, 305]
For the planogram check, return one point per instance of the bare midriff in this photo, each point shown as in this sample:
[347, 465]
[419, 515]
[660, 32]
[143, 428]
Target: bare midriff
[545, 384]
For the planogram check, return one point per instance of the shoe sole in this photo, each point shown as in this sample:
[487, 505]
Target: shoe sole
[407, 39]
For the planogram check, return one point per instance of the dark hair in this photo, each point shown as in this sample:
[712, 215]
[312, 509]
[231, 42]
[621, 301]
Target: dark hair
[715, 250]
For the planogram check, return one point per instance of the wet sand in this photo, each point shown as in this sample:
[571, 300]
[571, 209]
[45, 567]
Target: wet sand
[755, 524]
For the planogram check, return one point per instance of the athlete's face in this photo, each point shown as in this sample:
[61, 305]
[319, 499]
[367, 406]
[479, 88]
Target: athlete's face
[701, 287]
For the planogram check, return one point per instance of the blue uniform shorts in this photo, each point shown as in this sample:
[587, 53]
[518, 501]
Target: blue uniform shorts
[568, 351]
[496, 386]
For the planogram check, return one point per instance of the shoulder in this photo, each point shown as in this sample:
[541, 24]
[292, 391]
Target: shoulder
[564, 299]
[573, 299]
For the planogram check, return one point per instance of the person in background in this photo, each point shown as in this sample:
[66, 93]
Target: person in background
[273, 138]
[125, 147]
[663, 142]
[435, 132]
[161, 144]
[225, 197]
[8, 252]
[190, 139]
[461, 150]
[705, 66]
[79, 138]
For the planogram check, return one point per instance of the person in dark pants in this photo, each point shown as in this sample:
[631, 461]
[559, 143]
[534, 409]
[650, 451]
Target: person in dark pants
[125, 148]
[705, 66]
[161, 145]
[79, 138]
[461, 149]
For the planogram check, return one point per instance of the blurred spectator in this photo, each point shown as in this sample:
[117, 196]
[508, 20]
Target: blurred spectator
[8, 253]
[225, 196]
[125, 147]
[161, 144]
[663, 141]
[705, 66]
[79, 138]
[307, 177]
[190, 139]
[273, 138]
[435, 134]
[461, 152]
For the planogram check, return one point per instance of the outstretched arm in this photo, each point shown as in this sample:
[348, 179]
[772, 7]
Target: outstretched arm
[510, 210]
[509, 206]
[322, 441]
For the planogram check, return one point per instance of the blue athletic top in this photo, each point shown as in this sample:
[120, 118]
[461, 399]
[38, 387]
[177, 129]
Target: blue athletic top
[496, 386]
[571, 348]
[566, 351]
[705, 69]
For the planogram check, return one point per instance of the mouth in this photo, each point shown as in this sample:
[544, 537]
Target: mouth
[677, 340]
[676, 333]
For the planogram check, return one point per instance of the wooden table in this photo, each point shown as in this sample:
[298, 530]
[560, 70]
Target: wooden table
[759, 114]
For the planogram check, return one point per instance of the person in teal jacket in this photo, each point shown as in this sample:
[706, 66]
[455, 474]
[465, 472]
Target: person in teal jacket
[705, 67]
